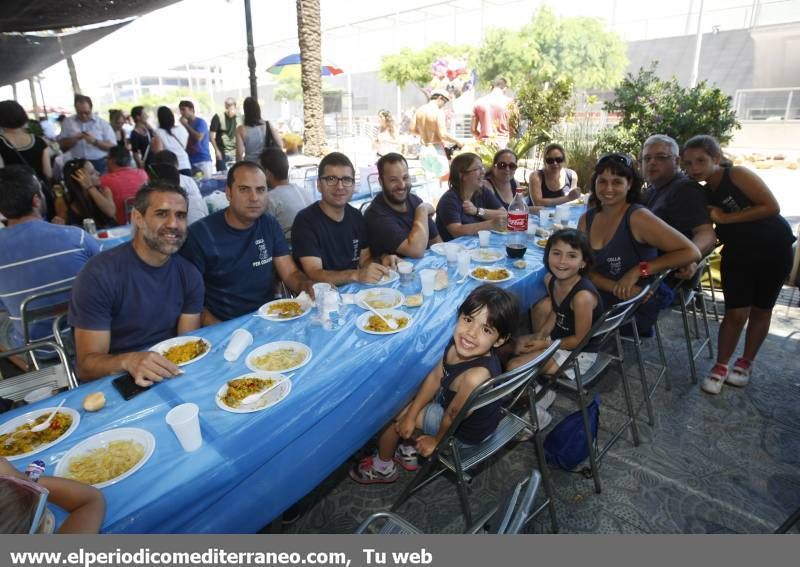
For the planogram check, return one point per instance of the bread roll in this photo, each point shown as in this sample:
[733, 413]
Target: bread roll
[94, 401]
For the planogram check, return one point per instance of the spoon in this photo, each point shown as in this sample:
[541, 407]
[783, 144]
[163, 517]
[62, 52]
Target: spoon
[253, 398]
[46, 423]
[391, 323]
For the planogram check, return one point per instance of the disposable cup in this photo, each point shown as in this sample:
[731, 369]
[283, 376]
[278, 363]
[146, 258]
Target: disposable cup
[185, 423]
[428, 279]
[406, 270]
[320, 290]
[451, 251]
[463, 262]
[240, 340]
[483, 238]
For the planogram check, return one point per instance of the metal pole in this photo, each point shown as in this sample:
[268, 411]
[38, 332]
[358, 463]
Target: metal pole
[41, 92]
[34, 104]
[398, 92]
[251, 52]
[697, 46]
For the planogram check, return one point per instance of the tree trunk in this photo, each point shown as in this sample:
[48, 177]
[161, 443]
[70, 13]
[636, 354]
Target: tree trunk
[309, 35]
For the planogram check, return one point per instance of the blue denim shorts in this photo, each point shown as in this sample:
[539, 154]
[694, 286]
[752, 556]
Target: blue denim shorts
[432, 415]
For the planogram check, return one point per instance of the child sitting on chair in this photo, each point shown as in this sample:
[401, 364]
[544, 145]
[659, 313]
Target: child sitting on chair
[486, 320]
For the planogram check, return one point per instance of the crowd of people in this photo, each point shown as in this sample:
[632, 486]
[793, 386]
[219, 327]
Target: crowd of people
[207, 268]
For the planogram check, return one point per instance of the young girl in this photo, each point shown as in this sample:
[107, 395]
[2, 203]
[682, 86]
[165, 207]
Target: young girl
[572, 306]
[486, 320]
[22, 502]
[756, 257]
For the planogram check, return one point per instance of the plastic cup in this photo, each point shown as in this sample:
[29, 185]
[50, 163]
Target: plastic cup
[451, 252]
[406, 270]
[320, 290]
[463, 262]
[428, 279]
[185, 423]
[240, 340]
[483, 238]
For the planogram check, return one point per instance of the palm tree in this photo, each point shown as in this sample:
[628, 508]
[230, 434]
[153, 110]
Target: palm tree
[309, 36]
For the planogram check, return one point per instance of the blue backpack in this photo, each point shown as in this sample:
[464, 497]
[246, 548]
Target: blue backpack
[565, 446]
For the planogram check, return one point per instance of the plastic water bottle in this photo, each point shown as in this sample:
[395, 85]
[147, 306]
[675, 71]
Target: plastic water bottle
[516, 240]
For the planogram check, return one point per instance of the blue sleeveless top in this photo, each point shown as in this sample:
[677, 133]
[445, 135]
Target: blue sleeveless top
[565, 317]
[482, 422]
[547, 193]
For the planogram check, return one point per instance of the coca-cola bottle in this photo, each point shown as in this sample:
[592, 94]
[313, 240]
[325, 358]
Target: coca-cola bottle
[517, 237]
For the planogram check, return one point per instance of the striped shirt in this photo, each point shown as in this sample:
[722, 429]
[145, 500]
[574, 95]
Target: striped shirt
[36, 257]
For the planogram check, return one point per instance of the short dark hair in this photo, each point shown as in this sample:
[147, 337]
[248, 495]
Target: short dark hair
[575, 239]
[79, 98]
[502, 308]
[622, 165]
[186, 104]
[142, 199]
[391, 157]
[120, 156]
[708, 144]
[18, 185]
[165, 172]
[136, 112]
[240, 165]
[335, 158]
[275, 161]
[12, 115]
[166, 156]
[501, 153]
[252, 112]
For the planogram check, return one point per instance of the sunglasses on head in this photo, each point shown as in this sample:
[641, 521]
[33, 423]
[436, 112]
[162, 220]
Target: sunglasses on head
[618, 158]
[554, 160]
[506, 165]
[41, 499]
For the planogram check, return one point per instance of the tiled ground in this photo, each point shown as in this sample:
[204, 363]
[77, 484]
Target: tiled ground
[724, 464]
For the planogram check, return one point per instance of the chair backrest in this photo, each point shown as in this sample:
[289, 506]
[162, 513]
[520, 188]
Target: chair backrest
[374, 184]
[515, 509]
[36, 308]
[55, 377]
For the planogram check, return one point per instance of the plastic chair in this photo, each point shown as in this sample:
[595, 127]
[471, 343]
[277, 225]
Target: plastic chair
[374, 184]
[452, 455]
[35, 308]
[689, 295]
[509, 516]
[56, 377]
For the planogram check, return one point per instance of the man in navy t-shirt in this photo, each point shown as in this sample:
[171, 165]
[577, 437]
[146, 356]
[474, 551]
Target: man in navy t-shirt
[397, 221]
[198, 145]
[135, 295]
[329, 237]
[239, 249]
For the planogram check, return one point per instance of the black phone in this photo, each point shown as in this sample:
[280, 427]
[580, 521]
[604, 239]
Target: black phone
[126, 386]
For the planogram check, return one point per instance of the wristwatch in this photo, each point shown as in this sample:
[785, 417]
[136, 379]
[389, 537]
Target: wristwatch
[481, 212]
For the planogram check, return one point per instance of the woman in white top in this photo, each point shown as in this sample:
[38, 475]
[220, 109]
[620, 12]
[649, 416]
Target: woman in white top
[386, 139]
[174, 137]
[252, 135]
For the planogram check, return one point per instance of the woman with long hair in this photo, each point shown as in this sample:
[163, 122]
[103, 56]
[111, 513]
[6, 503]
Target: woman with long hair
[385, 141]
[173, 137]
[467, 206]
[626, 237]
[501, 178]
[117, 119]
[255, 134]
[85, 197]
[756, 255]
[555, 183]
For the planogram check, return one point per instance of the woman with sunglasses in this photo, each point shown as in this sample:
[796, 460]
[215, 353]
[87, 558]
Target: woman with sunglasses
[626, 237]
[501, 178]
[554, 184]
[23, 503]
[467, 206]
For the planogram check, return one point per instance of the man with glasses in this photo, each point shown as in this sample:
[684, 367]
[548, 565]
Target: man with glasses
[674, 198]
[86, 135]
[399, 222]
[329, 237]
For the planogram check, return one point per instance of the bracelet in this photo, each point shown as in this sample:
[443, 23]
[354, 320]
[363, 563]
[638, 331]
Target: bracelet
[644, 269]
[480, 212]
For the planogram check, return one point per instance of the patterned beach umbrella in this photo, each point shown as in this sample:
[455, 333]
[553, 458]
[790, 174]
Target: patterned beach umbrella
[291, 64]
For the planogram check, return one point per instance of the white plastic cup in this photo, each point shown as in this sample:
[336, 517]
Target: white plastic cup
[463, 262]
[483, 238]
[320, 290]
[451, 252]
[185, 423]
[405, 269]
[428, 279]
[240, 340]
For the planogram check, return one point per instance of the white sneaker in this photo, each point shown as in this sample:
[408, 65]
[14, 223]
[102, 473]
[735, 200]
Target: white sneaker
[739, 374]
[544, 417]
[547, 400]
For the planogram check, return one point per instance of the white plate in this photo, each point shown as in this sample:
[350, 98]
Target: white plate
[494, 230]
[11, 425]
[474, 277]
[263, 311]
[486, 255]
[363, 321]
[386, 294]
[392, 276]
[439, 248]
[275, 395]
[141, 436]
[164, 346]
[269, 347]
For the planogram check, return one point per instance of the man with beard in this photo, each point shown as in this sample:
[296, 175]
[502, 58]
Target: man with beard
[397, 221]
[135, 295]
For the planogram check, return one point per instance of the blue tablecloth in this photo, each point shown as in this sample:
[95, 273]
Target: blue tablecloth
[115, 236]
[253, 466]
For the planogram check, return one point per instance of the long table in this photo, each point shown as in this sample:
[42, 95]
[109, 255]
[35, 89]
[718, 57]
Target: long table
[253, 466]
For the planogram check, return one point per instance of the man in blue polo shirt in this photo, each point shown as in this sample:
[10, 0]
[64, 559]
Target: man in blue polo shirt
[239, 249]
[399, 222]
[198, 145]
[329, 237]
[138, 294]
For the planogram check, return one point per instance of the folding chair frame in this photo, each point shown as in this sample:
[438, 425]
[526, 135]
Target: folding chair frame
[31, 314]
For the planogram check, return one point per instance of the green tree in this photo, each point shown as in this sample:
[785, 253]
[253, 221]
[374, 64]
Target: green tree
[289, 86]
[550, 48]
[539, 110]
[202, 101]
[650, 105]
[410, 66]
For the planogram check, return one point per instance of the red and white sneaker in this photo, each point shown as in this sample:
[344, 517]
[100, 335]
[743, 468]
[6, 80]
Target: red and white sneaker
[407, 457]
[740, 373]
[715, 379]
[366, 473]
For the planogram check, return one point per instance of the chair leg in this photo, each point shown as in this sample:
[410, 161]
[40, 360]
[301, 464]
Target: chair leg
[416, 482]
[713, 293]
[637, 347]
[544, 470]
[627, 391]
[704, 314]
[582, 402]
[663, 357]
[462, 488]
[687, 334]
